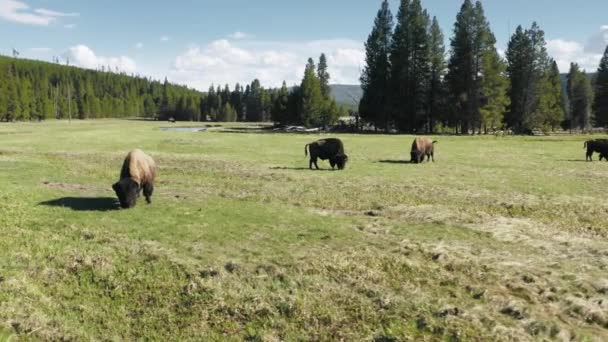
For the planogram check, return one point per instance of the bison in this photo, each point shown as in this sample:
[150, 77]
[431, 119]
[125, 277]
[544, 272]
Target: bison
[331, 149]
[422, 147]
[137, 174]
[598, 145]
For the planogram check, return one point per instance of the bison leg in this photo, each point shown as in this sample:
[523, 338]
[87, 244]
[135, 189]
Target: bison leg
[589, 155]
[148, 190]
[313, 160]
[332, 162]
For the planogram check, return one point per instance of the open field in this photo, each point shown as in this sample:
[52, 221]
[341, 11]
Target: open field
[500, 239]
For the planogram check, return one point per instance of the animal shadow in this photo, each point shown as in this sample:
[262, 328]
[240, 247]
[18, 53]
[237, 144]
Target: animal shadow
[395, 162]
[84, 203]
[300, 168]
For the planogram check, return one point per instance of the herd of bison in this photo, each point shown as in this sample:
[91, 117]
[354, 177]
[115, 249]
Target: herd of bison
[139, 170]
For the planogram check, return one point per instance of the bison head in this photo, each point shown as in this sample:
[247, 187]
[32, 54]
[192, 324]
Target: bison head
[126, 190]
[341, 161]
[415, 157]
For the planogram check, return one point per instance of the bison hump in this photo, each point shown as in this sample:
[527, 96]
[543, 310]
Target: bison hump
[142, 168]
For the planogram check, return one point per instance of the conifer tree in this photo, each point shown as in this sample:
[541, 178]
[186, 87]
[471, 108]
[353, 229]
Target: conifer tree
[312, 99]
[528, 63]
[280, 106]
[600, 103]
[410, 65]
[438, 69]
[375, 78]
[323, 76]
[550, 110]
[581, 97]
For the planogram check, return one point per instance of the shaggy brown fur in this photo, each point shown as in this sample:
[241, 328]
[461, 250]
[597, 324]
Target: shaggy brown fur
[598, 145]
[137, 174]
[331, 149]
[422, 147]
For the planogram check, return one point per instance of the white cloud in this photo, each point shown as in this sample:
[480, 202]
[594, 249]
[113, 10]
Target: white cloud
[69, 26]
[164, 38]
[139, 45]
[19, 12]
[587, 56]
[50, 13]
[565, 52]
[598, 42]
[83, 56]
[239, 35]
[223, 61]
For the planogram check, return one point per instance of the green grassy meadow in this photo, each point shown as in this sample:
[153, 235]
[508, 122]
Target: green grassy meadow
[502, 238]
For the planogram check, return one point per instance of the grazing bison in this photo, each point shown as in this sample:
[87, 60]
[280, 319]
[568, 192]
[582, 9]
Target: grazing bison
[422, 147]
[598, 145]
[331, 149]
[137, 174]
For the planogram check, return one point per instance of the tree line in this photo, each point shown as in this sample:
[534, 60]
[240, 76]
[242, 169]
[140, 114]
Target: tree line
[34, 90]
[411, 84]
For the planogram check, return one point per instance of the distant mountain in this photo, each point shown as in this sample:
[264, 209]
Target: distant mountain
[564, 78]
[347, 95]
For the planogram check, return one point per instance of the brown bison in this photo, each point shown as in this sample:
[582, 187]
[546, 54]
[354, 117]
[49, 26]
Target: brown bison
[422, 147]
[331, 149]
[137, 174]
[598, 145]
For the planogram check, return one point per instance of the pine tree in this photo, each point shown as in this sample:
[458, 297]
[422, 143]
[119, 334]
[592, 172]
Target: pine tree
[12, 98]
[236, 99]
[550, 110]
[150, 109]
[600, 103]
[494, 90]
[254, 102]
[581, 97]
[437, 73]
[280, 106]
[375, 79]
[323, 76]
[461, 69]
[165, 107]
[410, 66]
[528, 63]
[472, 51]
[312, 98]
[3, 95]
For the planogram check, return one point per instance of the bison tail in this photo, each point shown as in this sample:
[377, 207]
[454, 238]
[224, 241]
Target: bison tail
[585, 145]
[306, 150]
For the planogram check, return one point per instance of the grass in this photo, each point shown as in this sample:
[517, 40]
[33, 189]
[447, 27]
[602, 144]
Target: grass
[500, 239]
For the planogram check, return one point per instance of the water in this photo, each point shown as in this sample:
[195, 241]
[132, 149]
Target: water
[184, 129]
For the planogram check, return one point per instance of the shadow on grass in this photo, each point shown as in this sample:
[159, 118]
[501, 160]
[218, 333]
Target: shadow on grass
[84, 203]
[299, 168]
[395, 162]
[575, 160]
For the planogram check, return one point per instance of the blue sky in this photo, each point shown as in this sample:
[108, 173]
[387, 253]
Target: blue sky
[227, 41]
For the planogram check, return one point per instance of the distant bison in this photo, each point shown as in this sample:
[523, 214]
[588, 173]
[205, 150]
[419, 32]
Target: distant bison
[331, 149]
[598, 145]
[137, 174]
[422, 147]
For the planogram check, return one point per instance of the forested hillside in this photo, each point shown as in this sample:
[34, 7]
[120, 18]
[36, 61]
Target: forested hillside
[35, 90]
[38, 90]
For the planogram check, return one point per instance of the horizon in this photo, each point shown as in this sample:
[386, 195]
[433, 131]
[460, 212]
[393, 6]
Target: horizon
[209, 43]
